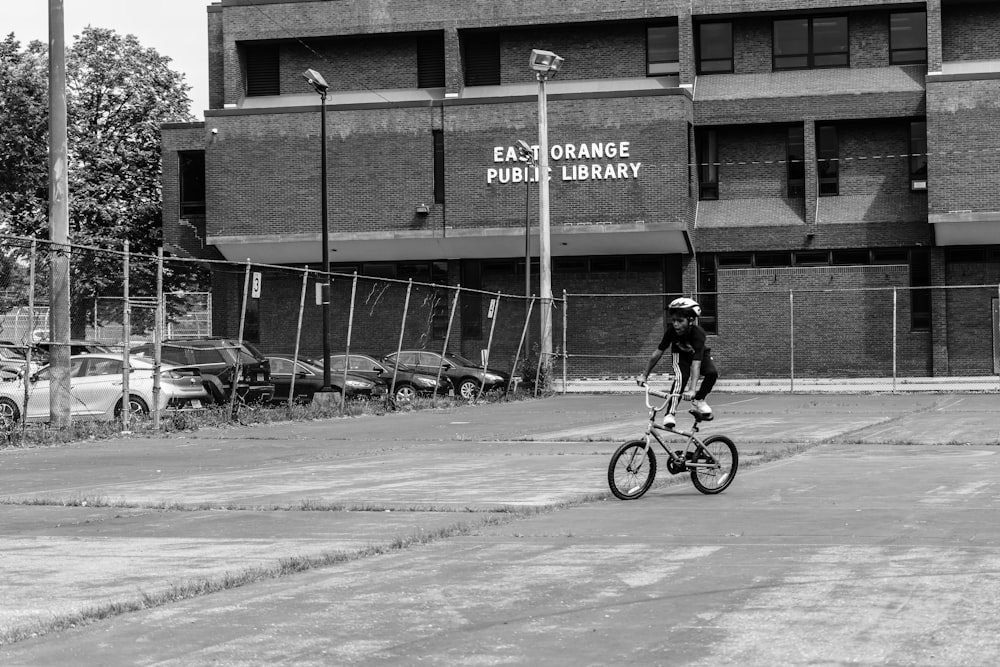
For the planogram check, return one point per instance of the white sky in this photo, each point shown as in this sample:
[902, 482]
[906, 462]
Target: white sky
[175, 28]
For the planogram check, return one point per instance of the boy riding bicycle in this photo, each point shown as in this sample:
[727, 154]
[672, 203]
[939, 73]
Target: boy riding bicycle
[692, 360]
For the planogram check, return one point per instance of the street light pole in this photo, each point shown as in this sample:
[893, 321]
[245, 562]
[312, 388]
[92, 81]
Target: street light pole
[319, 84]
[545, 64]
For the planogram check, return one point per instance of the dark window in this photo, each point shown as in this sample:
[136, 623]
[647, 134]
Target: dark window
[708, 164]
[803, 43]
[263, 70]
[795, 154]
[812, 258]
[430, 60]
[644, 263]
[607, 263]
[472, 302]
[192, 182]
[732, 260]
[662, 51]
[482, 58]
[379, 270]
[715, 48]
[570, 264]
[918, 155]
[828, 160]
[849, 257]
[907, 38]
[708, 286]
[920, 299]
[770, 259]
[251, 325]
[890, 256]
[438, 166]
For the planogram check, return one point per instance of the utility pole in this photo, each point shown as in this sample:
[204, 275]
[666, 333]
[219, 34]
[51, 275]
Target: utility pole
[59, 325]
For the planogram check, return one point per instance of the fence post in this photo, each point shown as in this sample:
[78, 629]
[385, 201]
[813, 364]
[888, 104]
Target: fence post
[894, 325]
[298, 337]
[791, 339]
[30, 336]
[158, 337]
[565, 326]
[520, 345]
[489, 345]
[347, 349]
[237, 369]
[447, 334]
[399, 346]
[126, 325]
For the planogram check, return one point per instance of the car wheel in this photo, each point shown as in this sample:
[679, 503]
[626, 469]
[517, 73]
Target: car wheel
[404, 393]
[136, 407]
[468, 389]
[9, 413]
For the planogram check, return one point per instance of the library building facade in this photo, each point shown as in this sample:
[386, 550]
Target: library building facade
[820, 174]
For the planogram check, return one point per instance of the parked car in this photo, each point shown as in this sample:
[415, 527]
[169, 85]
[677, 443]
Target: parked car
[465, 375]
[95, 386]
[43, 347]
[12, 358]
[309, 380]
[216, 358]
[409, 381]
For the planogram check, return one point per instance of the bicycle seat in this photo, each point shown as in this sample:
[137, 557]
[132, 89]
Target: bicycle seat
[701, 416]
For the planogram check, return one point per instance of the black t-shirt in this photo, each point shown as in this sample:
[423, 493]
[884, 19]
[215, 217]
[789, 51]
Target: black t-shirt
[690, 345]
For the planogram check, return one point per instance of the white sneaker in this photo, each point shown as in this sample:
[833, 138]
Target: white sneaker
[701, 406]
[669, 421]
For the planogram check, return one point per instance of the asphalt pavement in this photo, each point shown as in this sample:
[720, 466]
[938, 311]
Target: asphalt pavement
[859, 530]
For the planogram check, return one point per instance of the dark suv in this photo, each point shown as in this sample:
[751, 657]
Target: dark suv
[216, 359]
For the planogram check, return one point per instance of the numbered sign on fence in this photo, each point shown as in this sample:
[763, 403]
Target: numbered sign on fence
[493, 309]
[255, 285]
[322, 293]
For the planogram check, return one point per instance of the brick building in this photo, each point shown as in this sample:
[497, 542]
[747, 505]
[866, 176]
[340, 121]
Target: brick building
[730, 149]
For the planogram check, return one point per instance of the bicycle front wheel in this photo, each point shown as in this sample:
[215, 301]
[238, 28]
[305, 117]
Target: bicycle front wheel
[715, 465]
[632, 470]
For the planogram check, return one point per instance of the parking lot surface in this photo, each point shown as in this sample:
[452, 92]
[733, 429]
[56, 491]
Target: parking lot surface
[859, 530]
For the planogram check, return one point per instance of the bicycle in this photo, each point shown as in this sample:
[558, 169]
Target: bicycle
[712, 462]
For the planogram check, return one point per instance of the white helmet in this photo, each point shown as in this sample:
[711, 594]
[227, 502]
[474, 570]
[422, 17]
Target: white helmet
[684, 306]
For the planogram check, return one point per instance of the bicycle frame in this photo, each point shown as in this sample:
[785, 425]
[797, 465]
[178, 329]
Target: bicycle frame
[652, 434]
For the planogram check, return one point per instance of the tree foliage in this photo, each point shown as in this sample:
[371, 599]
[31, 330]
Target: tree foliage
[118, 93]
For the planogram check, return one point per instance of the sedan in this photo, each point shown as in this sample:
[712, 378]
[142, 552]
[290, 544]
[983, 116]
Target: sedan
[465, 375]
[409, 383]
[95, 386]
[309, 380]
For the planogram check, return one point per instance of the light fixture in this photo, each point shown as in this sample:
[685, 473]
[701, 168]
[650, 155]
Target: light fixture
[316, 80]
[423, 209]
[545, 61]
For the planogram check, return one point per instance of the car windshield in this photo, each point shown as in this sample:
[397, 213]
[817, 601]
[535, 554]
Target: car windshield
[460, 360]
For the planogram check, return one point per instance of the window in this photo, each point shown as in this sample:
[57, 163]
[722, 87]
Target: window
[262, 70]
[280, 366]
[708, 286]
[812, 258]
[662, 50]
[715, 48]
[708, 165]
[828, 154]
[795, 155]
[438, 166]
[805, 43]
[907, 38]
[918, 155]
[920, 299]
[849, 257]
[482, 58]
[472, 302]
[430, 60]
[771, 259]
[191, 174]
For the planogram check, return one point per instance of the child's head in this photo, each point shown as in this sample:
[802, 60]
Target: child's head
[683, 312]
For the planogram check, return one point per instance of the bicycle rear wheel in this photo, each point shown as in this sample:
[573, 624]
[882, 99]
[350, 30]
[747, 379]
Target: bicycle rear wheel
[720, 452]
[632, 470]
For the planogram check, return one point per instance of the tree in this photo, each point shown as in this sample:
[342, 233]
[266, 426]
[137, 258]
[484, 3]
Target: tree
[118, 93]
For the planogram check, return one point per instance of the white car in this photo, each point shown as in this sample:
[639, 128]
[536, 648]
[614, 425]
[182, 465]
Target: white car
[96, 389]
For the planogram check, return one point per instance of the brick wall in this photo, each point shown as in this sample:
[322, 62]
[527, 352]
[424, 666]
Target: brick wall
[964, 146]
[369, 62]
[969, 32]
[174, 138]
[970, 349]
[836, 334]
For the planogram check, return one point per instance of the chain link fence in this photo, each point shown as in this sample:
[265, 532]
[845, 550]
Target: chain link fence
[866, 339]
